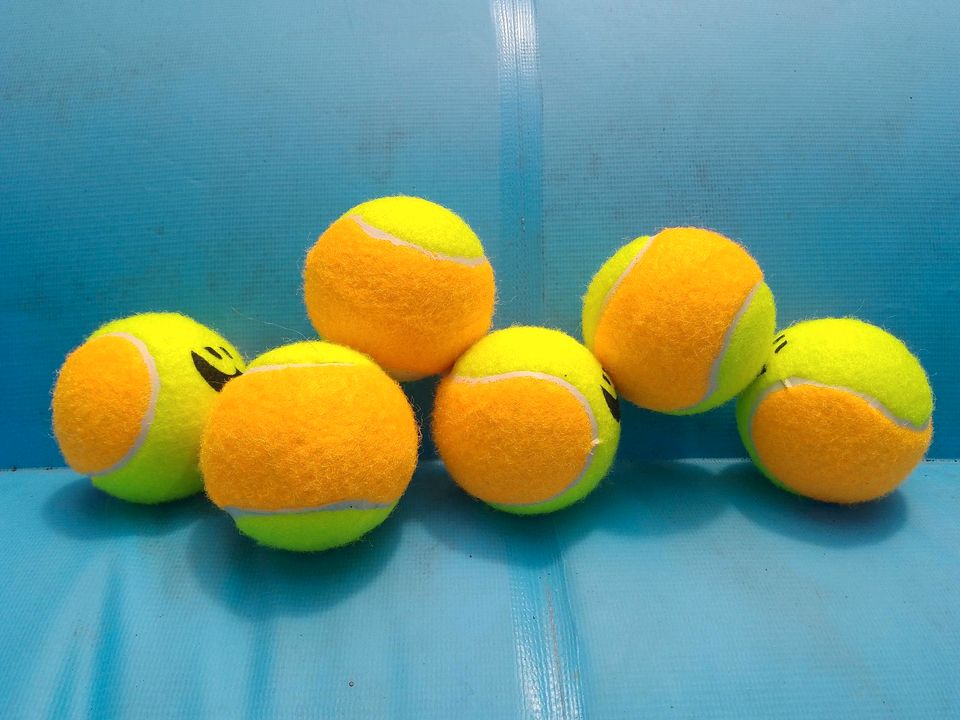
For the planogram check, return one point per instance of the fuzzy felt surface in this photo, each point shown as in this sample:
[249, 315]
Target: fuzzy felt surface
[537, 435]
[310, 532]
[745, 353]
[832, 445]
[513, 441]
[661, 313]
[850, 353]
[422, 223]
[321, 430]
[101, 402]
[412, 310]
[312, 352]
[165, 467]
[841, 412]
[609, 274]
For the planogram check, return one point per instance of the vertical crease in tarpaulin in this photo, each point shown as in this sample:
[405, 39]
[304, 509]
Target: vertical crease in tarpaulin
[547, 654]
[546, 646]
[521, 161]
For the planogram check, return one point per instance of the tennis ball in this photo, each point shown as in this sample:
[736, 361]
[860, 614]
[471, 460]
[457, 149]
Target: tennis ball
[841, 412]
[527, 421]
[129, 404]
[681, 320]
[403, 280]
[311, 448]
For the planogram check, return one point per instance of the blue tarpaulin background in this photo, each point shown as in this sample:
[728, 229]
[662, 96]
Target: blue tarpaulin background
[183, 156]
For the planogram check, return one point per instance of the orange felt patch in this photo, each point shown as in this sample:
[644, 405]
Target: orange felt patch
[664, 325]
[832, 445]
[303, 437]
[516, 440]
[102, 396]
[413, 312]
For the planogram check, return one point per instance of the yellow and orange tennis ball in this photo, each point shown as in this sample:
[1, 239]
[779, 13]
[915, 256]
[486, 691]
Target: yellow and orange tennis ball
[403, 280]
[681, 320]
[527, 421]
[841, 411]
[311, 448]
[130, 403]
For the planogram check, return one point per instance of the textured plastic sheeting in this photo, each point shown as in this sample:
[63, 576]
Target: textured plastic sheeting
[818, 134]
[692, 590]
[183, 155]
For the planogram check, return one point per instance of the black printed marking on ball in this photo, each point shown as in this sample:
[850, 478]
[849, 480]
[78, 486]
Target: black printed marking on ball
[778, 338]
[213, 352]
[227, 352]
[762, 371]
[780, 347]
[212, 376]
[607, 378]
[612, 402]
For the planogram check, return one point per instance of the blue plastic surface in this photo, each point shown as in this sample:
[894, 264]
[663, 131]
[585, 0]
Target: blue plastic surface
[183, 155]
[687, 590]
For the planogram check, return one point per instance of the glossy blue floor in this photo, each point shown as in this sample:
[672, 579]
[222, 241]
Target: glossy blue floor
[692, 589]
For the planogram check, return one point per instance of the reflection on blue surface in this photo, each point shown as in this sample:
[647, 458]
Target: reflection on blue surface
[695, 589]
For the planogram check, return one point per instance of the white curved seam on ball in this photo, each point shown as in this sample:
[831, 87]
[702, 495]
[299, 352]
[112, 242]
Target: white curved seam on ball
[151, 408]
[594, 442]
[619, 282]
[790, 382]
[379, 234]
[284, 366]
[236, 512]
[725, 345]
